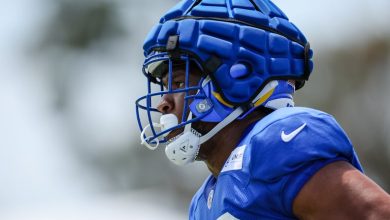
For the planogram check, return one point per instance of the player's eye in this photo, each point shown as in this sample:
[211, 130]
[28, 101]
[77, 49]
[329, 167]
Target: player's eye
[175, 85]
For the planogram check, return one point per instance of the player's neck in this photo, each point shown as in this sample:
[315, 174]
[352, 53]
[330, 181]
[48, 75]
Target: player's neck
[216, 151]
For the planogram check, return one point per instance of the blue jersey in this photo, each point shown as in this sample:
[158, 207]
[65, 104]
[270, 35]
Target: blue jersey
[271, 164]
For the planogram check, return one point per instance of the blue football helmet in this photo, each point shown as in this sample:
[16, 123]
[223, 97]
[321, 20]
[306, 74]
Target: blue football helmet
[248, 53]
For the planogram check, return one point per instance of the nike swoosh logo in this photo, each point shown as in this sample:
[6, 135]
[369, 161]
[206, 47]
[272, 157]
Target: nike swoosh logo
[288, 137]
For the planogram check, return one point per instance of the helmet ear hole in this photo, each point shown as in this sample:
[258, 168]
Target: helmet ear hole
[240, 70]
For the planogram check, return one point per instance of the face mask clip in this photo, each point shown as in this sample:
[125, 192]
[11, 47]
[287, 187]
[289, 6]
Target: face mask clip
[172, 47]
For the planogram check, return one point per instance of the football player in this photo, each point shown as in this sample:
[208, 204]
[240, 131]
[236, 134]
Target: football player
[221, 78]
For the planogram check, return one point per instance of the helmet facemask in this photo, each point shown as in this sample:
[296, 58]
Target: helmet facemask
[180, 78]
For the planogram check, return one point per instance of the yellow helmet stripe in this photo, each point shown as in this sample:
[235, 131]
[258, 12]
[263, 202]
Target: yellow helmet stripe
[219, 98]
[264, 97]
[257, 103]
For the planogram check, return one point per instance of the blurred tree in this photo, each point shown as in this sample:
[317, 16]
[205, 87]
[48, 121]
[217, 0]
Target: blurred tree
[78, 32]
[352, 81]
[78, 24]
[364, 69]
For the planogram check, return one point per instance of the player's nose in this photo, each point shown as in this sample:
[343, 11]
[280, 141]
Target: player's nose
[166, 104]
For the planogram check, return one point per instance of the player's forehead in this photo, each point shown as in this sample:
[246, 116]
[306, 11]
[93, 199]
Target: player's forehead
[179, 68]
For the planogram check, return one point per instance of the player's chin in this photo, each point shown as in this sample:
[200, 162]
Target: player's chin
[203, 127]
[174, 134]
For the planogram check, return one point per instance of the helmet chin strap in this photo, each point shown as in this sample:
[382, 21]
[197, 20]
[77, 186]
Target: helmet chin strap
[237, 112]
[185, 148]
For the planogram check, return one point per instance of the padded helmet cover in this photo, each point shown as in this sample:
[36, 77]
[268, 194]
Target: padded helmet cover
[254, 33]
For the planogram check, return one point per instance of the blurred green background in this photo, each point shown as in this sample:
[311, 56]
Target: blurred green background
[71, 71]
